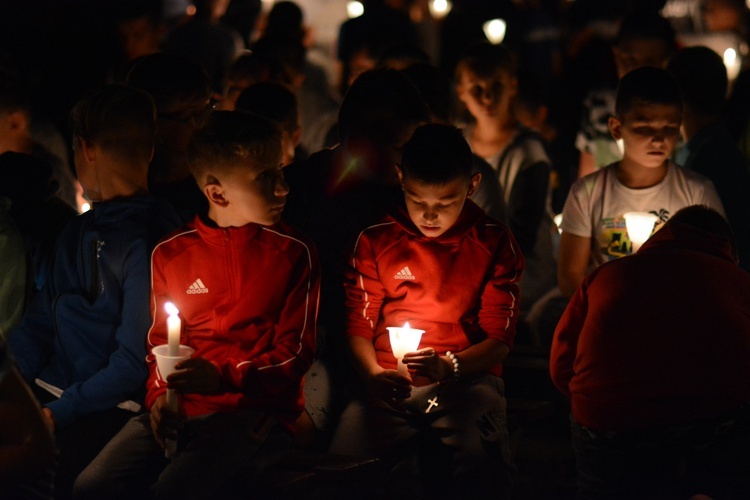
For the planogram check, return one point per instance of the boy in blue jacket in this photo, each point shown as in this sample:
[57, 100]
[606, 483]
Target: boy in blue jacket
[81, 344]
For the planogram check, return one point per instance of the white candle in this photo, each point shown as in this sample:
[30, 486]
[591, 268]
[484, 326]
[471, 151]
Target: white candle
[404, 339]
[174, 325]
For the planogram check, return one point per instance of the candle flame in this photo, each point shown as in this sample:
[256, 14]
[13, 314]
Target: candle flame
[171, 309]
[406, 325]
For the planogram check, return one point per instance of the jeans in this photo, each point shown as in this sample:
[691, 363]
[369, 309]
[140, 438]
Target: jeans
[709, 457]
[213, 451]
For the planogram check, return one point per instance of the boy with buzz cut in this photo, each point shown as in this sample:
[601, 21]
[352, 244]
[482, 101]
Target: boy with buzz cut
[443, 266]
[648, 114]
[252, 325]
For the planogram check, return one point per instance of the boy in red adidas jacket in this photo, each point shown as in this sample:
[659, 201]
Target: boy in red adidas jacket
[445, 267]
[247, 289]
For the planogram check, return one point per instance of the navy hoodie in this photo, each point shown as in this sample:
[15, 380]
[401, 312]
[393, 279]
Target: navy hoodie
[85, 331]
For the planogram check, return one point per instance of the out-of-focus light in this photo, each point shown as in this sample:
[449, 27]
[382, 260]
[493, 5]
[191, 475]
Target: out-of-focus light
[676, 9]
[558, 221]
[354, 9]
[731, 61]
[85, 207]
[190, 11]
[439, 8]
[494, 30]
[267, 4]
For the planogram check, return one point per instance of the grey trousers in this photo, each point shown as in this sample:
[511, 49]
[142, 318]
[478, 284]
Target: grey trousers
[464, 438]
[213, 451]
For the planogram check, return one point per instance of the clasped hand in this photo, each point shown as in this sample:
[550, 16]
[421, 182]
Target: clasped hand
[197, 376]
[394, 388]
[426, 363]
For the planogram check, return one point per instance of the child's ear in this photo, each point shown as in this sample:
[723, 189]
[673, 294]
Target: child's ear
[615, 128]
[400, 174]
[88, 149]
[215, 192]
[474, 184]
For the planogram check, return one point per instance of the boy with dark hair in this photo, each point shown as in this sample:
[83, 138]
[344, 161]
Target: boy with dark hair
[652, 352]
[140, 27]
[709, 147]
[279, 104]
[253, 328]
[648, 117]
[83, 338]
[645, 39]
[487, 85]
[182, 95]
[443, 266]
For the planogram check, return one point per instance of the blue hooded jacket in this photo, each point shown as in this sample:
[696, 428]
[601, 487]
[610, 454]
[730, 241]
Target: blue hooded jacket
[85, 331]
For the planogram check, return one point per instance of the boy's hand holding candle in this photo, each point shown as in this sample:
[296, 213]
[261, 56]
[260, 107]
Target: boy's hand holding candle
[427, 363]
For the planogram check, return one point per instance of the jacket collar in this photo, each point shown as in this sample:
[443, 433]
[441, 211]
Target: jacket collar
[684, 237]
[221, 236]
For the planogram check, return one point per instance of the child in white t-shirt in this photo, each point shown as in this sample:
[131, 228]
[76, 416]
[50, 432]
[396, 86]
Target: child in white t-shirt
[648, 114]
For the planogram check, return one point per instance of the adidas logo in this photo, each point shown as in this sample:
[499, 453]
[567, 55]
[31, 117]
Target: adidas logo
[404, 274]
[197, 287]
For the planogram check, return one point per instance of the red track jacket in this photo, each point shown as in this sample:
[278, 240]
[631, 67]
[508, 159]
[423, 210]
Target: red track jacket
[460, 287]
[658, 338]
[248, 300]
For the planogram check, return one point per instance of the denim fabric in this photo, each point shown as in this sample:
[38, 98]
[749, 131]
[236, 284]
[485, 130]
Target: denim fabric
[462, 443]
[709, 457]
[213, 451]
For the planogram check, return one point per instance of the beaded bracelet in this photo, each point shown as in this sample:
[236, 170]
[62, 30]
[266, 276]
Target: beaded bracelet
[454, 360]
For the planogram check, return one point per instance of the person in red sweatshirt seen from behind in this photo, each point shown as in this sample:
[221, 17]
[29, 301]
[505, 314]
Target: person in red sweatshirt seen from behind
[246, 286]
[442, 265]
[653, 352]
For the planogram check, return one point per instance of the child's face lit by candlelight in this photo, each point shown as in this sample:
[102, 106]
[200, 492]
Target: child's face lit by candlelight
[434, 208]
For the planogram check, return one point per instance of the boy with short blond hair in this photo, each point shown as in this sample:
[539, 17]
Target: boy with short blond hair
[81, 343]
[648, 117]
[443, 266]
[252, 327]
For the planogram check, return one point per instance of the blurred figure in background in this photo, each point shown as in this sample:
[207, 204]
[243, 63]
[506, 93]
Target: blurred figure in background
[206, 42]
[709, 148]
[182, 95]
[277, 103]
[652, 351]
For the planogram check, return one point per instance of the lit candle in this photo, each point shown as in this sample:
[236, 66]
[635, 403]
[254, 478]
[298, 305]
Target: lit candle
[174, 325]
[639, 226]
[404, 339]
